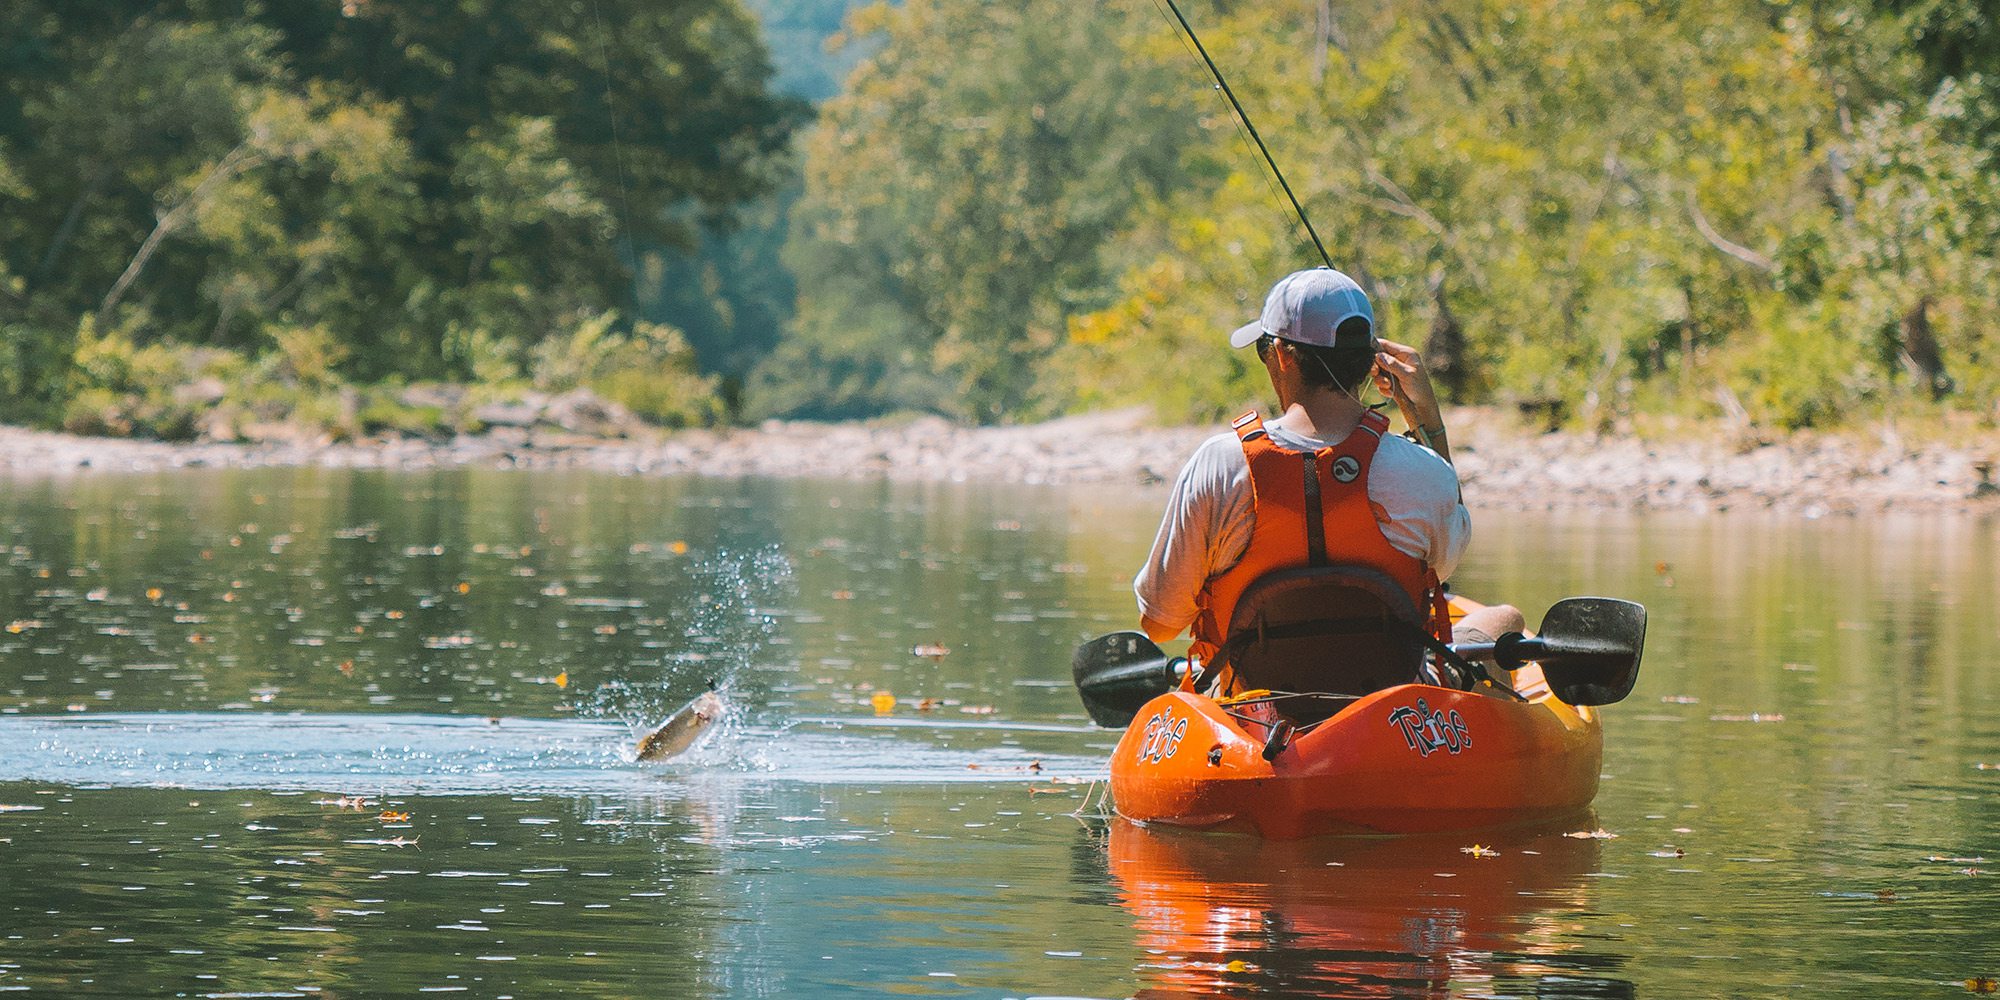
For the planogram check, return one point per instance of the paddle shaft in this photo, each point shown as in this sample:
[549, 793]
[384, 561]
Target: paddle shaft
[1588, 649]
[1522, 651]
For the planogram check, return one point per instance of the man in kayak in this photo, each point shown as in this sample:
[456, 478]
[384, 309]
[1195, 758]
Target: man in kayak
[1317, 341]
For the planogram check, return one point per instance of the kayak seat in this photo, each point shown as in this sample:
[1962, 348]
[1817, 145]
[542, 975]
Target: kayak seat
[1340, 630]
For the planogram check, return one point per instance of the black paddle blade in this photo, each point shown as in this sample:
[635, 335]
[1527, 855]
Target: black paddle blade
[1590, 648]
[1117, 674]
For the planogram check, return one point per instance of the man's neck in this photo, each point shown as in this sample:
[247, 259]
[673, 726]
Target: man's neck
[1324, 414]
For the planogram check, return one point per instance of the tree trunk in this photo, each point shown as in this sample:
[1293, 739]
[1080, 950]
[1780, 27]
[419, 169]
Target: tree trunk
[239, 159]
[1444, 348]
[1920, 351]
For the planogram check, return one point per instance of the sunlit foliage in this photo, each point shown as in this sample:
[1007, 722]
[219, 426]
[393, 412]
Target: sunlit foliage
[1779, 213]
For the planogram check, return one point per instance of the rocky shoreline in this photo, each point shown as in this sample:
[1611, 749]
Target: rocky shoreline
[1505, 465]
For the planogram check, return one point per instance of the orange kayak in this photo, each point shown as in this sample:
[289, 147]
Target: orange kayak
[1413, 758]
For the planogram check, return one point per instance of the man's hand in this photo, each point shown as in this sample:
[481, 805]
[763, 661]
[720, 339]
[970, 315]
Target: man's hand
[1400, 375]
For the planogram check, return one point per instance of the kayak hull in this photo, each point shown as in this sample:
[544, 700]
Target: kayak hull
[1408, 759]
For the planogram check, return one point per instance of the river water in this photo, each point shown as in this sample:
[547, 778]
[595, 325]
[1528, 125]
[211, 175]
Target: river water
[332, 733]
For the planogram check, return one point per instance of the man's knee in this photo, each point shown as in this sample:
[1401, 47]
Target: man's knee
[1489, 623]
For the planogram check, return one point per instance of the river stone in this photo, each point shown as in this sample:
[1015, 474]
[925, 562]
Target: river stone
[581, 411]
[518, 415]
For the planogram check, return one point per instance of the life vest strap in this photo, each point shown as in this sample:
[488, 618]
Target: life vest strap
[1248, 427]
[1315, 513]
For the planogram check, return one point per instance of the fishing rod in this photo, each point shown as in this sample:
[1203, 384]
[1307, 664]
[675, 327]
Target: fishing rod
[1244, 117]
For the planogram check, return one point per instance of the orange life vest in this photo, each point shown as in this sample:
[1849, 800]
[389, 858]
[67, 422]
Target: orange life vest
[1315, 519]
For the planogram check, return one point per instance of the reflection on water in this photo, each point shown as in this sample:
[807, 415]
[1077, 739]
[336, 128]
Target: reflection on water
[1225, 916]
[314, 733]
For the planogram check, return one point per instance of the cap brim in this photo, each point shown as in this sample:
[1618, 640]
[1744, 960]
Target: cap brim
[1247, 334]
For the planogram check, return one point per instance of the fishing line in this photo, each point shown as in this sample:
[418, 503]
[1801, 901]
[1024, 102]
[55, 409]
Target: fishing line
[1244, 117]
[1240, 134]
[628, 247]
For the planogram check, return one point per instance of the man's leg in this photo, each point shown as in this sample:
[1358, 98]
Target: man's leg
[1489, 623]
[1486, 624]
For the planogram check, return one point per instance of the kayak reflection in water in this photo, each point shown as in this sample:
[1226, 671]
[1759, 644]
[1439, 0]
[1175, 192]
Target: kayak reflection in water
[1321, 484]
[1221, 916]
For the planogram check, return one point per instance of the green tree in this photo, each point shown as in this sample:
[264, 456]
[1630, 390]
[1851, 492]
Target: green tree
[411, 178]
[957, 201]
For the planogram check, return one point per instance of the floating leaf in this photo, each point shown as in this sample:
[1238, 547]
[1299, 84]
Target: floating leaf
[1598, 834]
[392, 816]
[1981, 984]
[153, 593]
[930, 650]
[561, 680]
[1479, 851]
[884, 702]
[347, 667]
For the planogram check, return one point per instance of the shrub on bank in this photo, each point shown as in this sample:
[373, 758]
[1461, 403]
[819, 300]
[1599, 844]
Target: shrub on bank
[117, 387]
[589, 379]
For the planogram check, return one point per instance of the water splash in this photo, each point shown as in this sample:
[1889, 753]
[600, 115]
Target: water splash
[724, 630]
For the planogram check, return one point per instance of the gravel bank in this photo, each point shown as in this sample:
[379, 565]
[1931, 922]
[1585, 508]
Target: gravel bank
[1504, 465]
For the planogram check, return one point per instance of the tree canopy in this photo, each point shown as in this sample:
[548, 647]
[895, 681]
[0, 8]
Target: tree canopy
[421, 189]
[1780, 211]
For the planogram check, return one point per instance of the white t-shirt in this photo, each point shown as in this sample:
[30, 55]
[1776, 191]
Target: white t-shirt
[1211, 513]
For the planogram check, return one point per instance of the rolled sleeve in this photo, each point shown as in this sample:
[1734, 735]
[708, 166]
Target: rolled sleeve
[1198, 524]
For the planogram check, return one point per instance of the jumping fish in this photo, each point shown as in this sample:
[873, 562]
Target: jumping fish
[674, 736]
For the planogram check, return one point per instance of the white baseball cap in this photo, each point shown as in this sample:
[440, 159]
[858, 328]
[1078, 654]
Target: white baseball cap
[1311, 307]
